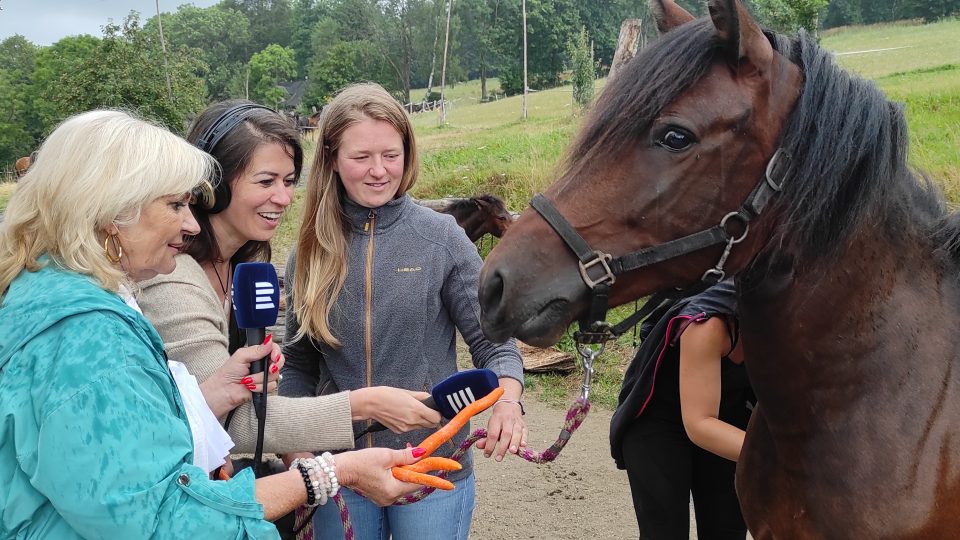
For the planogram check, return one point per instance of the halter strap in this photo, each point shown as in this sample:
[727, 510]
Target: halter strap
[599, 269]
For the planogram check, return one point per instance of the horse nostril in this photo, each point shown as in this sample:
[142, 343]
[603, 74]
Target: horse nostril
[491, 292]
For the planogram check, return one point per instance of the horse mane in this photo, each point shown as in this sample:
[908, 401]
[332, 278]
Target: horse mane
[659, 73]
[469, 204]
[849, 148]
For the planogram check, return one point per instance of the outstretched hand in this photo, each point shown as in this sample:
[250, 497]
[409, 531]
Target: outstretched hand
[506, 429]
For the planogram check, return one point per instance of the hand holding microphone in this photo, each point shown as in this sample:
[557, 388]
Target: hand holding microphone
[452, 394]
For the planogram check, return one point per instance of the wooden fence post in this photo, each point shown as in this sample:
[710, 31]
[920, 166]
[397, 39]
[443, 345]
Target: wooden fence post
[627, 45]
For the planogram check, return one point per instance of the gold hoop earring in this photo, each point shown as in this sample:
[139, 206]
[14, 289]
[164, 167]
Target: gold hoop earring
[112, 239]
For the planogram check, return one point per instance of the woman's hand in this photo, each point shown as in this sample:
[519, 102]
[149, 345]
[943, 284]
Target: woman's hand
[506, 429]
[231, 384]
[398, 409]
[367, 472]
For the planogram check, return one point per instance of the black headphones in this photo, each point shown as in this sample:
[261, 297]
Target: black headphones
[209, 140]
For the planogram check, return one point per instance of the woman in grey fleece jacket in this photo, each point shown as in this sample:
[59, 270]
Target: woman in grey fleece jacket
[377, 289]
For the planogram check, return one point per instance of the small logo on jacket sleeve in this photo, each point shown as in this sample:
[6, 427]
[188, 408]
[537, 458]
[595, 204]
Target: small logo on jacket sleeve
[409, 269]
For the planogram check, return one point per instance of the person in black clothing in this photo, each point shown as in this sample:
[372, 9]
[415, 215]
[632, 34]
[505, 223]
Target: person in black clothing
[687, 378]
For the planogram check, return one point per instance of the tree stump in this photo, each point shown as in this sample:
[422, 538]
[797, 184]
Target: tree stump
[627, 45]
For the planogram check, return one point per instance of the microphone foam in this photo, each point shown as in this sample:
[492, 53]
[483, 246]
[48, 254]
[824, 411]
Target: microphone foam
[256, 295]
[457, 391]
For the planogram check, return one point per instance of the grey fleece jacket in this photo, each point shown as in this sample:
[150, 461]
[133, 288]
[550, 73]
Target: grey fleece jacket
[423, 287]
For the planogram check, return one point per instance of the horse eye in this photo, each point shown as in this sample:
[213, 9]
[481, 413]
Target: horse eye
[676, 140]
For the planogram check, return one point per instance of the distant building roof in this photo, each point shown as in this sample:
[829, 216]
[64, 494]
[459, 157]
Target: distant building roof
[295, 90]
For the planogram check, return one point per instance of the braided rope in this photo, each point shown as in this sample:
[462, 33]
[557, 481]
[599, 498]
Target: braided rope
[575, 416]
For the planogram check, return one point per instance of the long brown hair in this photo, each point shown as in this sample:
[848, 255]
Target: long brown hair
[233, 153]
[322, 244]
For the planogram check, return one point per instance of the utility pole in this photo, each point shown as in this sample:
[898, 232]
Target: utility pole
[443, 71]
[524, 9]
[163, 46]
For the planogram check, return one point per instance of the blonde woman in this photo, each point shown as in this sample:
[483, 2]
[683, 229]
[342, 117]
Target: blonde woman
[378, 287]
[95, 440]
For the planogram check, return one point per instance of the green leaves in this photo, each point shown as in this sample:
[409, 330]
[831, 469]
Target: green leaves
[268, 68]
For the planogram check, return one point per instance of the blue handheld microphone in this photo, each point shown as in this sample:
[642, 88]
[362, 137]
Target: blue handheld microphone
[452, 394]
[256, 301]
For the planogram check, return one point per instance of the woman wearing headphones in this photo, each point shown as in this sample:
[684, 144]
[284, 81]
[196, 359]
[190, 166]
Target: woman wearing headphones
[260, 158]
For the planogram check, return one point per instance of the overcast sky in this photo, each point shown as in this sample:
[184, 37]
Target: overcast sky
[44, 22]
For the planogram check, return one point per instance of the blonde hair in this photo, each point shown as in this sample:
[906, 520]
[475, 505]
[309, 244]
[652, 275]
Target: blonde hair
[96, 169]
[324, 235]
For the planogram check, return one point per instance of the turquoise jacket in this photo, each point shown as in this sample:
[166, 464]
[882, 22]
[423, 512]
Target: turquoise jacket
[94, 442]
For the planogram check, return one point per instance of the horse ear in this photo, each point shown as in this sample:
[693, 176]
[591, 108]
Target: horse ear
[668, 15]
[746, 48]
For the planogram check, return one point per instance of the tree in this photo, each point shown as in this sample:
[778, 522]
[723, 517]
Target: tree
[125, 70]
[582, 63]
[218, 36]
[789, 16]
[54, 65]
[933, 10]
[271, 21]
[344, 63]
[268, 68]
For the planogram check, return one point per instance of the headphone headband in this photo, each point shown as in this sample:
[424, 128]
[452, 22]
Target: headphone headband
[223, 125]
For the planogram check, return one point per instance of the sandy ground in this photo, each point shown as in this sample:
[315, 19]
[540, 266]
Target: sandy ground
[578, 496]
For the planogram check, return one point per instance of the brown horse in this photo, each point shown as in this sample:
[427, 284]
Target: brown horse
[22, 165]
[847, 265]
[478, 216]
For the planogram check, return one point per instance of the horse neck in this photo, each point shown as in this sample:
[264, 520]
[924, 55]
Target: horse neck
[821, 337]
[473, 223]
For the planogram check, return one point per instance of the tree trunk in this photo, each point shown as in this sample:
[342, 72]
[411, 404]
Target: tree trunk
[627, 45]
[483, 78]
[523, 8]
[443, 70]
[433, 60]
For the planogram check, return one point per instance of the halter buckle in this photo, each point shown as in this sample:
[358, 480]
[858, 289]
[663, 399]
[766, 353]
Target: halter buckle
[602, 259]
[772, 165]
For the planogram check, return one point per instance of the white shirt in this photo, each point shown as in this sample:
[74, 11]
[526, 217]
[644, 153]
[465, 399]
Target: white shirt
[211, 443]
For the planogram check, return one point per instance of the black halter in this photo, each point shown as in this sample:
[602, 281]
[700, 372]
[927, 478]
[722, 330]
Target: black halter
[599, 269]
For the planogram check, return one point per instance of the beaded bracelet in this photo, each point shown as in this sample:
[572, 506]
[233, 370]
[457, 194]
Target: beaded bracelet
[299, 465]
[327, 463]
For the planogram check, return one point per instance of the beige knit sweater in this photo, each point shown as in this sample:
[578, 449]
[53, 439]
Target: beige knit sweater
[189, 317]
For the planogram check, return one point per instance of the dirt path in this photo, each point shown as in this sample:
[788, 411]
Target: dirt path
[579, 495]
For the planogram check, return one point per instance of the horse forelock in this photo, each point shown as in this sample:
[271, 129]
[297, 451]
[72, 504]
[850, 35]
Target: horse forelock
[659, 73]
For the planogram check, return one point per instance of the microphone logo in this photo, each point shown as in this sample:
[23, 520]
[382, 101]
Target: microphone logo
[263, 292]
[460, 399]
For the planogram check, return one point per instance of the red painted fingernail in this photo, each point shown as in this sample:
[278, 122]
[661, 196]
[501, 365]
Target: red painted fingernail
[246, 380]
[277, 358]
[417, 452]
[251, 387]
[274, 368]
[268, 339]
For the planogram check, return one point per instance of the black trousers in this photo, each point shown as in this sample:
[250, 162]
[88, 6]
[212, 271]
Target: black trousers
[664, 469]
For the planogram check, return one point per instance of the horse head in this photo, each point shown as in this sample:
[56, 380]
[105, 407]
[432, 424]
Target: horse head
[676, 142]
[497, 219]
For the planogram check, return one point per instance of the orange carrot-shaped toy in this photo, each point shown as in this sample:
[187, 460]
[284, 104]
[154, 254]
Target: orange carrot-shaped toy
[406, 475]
[442, 435]
[433, 464]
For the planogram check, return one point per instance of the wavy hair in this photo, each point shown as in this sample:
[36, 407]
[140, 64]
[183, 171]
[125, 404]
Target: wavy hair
[324, 235]
[96, 169]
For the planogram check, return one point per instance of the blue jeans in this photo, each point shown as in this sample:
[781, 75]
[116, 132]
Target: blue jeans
[443, 515]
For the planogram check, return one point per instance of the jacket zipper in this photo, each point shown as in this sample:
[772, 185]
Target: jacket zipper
[369, 226]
